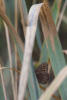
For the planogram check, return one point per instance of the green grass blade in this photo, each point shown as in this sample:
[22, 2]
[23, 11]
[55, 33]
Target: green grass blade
[58, 62]
[32, 81]
[38, 37]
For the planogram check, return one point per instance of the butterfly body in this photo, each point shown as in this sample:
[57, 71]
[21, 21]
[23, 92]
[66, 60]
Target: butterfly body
[42, 73]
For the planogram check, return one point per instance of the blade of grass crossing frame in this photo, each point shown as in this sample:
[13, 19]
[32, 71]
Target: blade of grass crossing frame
[32, 82]
[55, 51]
[44, 54]
[38, 30]
[58, 62]
[31, 31]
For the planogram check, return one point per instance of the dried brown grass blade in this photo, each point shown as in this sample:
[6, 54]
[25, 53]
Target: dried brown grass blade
[16, 28]
[9, 50]
[7, 21]
[3, 84]
[13, 69]
[48, 26]
[10, 58]
[2, 5]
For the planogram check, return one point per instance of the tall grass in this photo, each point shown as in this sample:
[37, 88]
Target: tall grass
[32, 39]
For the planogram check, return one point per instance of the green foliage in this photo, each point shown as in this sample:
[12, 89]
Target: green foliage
[57, 58]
